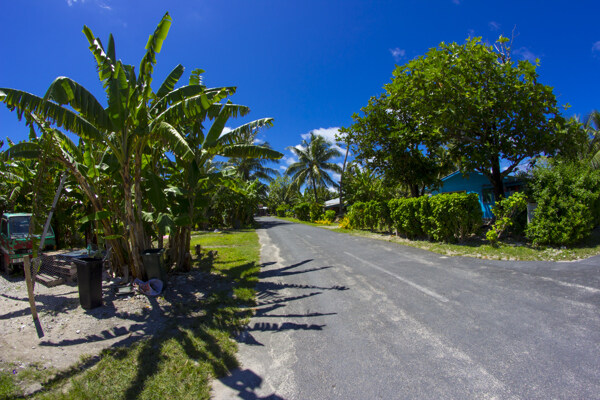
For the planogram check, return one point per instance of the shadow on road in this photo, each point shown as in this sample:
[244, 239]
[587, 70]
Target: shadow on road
[245, 382]
[272, 223]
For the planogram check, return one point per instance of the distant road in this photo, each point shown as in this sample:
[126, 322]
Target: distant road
[344, 317]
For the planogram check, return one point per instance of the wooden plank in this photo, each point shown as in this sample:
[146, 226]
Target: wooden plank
[48, 280]
[34, 314]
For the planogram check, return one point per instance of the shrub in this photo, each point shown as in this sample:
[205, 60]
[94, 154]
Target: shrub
[356, 215]
[282, 210]
[316, 211]
[289, 214]
[406, 216]
[330, 216]
[568, 202]
[345, 223]
[302, 211]
[454, 216]
[443, 217]
[506, 212]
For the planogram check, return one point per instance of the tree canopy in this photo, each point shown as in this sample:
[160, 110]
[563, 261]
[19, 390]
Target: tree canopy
[473, 102]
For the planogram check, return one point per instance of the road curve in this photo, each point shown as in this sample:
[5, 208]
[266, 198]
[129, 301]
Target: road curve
[344, 317]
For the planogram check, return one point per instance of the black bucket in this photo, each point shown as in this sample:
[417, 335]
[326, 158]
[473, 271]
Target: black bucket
[89, 280]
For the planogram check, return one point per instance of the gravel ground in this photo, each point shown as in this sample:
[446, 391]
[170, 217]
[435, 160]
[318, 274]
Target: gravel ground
[71, 332]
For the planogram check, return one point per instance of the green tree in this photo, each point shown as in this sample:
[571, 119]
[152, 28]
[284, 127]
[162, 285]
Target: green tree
[280, 192]
[314, 162]
[389, 140]
[479, 104]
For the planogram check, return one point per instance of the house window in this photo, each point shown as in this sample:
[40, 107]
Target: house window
[488, 196]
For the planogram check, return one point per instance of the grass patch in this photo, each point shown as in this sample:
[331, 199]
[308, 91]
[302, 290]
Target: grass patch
[297, 221]
[192, 348]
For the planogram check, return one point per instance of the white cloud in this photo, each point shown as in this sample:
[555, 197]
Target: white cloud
[398, 53]
[471, 33]
[596, 47]
[494, 26]
[99, 3]
[327, 133]
[457, 2]
[526, 54]
[288, 160]
[258, 141]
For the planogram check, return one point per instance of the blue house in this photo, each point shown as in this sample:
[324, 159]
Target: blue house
[476, 182]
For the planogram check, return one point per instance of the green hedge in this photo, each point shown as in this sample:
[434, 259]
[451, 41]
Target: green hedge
[568, 203]
[302, 211]
[329, 215]
[368, 215]
[316, 212]
[282, 210]
[444, 217]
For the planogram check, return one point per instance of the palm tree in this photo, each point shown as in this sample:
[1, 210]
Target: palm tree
[313, 163]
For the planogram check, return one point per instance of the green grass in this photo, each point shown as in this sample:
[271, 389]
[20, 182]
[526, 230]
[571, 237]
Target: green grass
[192, 348]
[8, 386]
[295, 220]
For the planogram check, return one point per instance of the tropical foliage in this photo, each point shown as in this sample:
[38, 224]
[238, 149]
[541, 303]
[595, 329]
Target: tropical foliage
[136, 191]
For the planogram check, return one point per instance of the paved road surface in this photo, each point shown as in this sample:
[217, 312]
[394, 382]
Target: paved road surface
[343, 317]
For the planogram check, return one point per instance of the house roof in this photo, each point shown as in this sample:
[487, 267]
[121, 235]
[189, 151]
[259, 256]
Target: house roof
[332, 202]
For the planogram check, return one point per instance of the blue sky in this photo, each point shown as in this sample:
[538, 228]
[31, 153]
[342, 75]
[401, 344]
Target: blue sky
[308, 64]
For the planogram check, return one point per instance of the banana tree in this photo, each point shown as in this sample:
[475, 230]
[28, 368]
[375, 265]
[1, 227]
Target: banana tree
[134, 117]
[193, 178]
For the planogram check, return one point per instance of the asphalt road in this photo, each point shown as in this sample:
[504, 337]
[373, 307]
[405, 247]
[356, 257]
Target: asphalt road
[343, 317]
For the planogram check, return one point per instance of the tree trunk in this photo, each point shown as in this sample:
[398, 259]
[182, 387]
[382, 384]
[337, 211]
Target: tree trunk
[414, 190]
[496, 179]
[342, 178]
[117, 250]
[143, 239]
[131, 225]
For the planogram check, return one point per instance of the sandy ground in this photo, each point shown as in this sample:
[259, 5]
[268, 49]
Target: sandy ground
[69, 331]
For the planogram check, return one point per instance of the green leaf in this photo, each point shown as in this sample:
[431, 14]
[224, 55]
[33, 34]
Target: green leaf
[97, 216]
[169, 83]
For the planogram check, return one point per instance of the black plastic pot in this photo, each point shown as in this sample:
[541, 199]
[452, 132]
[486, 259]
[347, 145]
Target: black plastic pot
[89, 280]
[154, 265]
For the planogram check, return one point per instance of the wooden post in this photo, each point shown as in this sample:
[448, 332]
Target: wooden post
[36, 321]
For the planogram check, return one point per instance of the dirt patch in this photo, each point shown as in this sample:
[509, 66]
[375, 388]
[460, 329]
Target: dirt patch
[71, 332]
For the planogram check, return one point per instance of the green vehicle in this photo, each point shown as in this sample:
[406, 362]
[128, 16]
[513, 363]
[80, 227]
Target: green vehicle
[15, 243]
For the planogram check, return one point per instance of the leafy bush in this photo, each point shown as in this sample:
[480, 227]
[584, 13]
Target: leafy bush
[330, 216]
[356, 215]
[443, 217]
[506, 212]
[316, 211]
[406, 216]
[302, 211]
[281, 210]
[454, 216]
[568, 203]
[371, 215]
